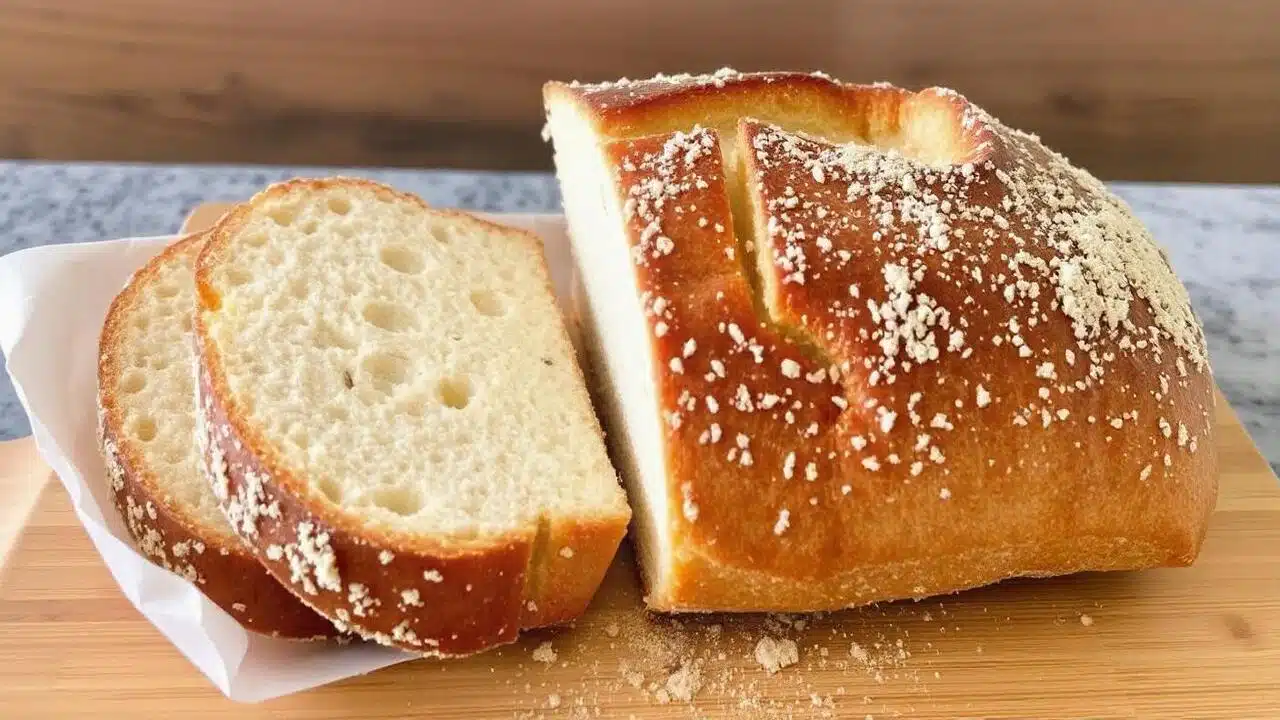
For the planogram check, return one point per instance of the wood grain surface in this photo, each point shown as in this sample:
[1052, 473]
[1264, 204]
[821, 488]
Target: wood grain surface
[1200, 642]
[1142, 89]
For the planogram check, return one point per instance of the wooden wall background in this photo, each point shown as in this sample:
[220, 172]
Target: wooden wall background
[1134, 89]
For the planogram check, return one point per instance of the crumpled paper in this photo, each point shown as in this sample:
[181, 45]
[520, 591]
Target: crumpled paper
[53, 300]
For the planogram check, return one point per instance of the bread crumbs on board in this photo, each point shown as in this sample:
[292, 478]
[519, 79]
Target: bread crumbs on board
[822, 665]
[544, 653]
[773, 654]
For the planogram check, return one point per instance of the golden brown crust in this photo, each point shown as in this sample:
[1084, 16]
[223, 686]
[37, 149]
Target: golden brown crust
[162, 528]
[903, 356]
[427, 595]
[631, 109]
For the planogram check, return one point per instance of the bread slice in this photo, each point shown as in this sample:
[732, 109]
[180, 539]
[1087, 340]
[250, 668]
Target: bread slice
[395, 418]
[853, 342]
[146, 421]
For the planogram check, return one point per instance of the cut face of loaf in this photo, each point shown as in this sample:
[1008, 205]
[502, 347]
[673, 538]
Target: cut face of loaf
[146, 429]
[395, 419]
[852, 343]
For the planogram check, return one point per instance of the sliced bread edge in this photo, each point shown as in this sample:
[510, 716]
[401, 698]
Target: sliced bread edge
[445, 601]
[163, 529]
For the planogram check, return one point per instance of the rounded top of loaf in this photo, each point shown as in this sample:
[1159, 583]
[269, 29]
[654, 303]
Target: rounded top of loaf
[881, 308]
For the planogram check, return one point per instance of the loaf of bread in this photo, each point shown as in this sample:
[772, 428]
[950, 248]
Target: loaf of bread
[855, 343]
[146, 419]
[395, 420]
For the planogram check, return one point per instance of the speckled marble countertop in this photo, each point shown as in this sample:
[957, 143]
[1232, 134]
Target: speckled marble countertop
[1224, 242]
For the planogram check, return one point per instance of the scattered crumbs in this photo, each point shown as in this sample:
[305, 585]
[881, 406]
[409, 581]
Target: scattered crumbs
[684, 683]
[544, 653]
[1086, 620]
[773, 654]
[386, 556]
[566, 552]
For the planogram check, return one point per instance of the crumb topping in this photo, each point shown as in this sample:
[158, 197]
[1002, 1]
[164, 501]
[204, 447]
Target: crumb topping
[891, 301]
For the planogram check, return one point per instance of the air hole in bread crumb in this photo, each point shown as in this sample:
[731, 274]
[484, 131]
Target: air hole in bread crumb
[389, 316]
[331, 489]
[455, 391]
[159, 362]
[298, 289]
[275, 256]
[414, 407]
[143, 428]
[337, 413]
[309, 227]
[142, 322]
[339, 205]
[372, 395]
[132, 382]
[327, 336]
[283, 216]
[487, 303]
[346, 232]
[186, 323]
[401, 259]
[257, 239]
[399, 500]
[166, 290]
[236, 276]
[386, 370]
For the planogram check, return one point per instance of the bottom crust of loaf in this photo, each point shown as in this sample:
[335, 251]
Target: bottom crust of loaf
[698, 584]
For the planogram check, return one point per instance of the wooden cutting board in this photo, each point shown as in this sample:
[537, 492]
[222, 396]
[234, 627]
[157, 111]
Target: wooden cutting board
[1202, 642]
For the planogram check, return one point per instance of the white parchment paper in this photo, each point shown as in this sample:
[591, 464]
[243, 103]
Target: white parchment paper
[53, 300]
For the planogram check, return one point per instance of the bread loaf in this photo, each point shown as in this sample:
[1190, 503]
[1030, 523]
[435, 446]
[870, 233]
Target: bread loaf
[857, 343]
[395, 420]
[146, 418]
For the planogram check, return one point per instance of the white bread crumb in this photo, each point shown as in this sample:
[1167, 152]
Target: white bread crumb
[684, 683]
[544, 653]
[774, 654]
